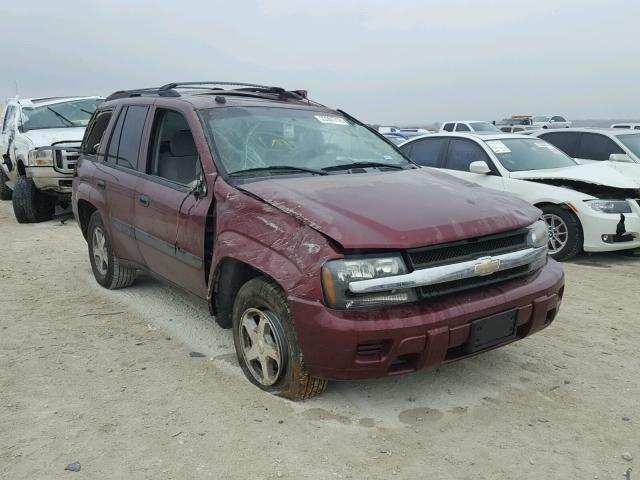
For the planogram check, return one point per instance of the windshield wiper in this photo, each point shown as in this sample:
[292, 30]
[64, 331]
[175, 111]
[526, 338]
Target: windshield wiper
[61, 116]
[348, 166]
[283, 168]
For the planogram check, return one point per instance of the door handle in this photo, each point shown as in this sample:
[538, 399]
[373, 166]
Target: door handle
[143, 200]
[101, 184]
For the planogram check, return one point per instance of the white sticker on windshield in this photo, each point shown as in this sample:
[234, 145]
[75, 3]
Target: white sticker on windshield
[331, 119]
[498, 147]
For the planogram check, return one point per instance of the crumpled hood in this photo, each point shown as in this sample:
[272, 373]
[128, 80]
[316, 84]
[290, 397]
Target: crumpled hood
[611, 174]
[395, 210]
[45, 137]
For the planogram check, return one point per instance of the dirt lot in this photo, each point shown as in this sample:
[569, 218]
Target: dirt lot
[106, 379]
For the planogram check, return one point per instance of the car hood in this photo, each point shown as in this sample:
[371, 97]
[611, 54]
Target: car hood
[403, 209]
[44, 137]
[610, 174]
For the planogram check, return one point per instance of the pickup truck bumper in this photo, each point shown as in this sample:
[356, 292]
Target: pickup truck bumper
[49, 179]
[345, 345]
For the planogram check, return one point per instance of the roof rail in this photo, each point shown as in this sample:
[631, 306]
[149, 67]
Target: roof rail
[139, 92]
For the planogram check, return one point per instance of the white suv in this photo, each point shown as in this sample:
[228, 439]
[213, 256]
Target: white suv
[38, 143]
[550, 121]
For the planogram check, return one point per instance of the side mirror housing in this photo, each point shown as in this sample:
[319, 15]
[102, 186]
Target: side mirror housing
[620, 157]
[480, 167]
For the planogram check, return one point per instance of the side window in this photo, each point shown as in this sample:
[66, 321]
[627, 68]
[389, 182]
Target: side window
[558, 119]
[518, 129]
[125, 141]
[9, 119]
[426, 152]
[172, 153]
[506, 129]
[461, 127]
[462, 153]
[596, 147]
[565, 141]
[637, 127]
[96, 131]
[448, 127]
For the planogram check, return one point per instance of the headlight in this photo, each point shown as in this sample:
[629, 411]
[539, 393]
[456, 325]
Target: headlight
[609, 206]
[40, 157]
[538, 235]
[337, 274]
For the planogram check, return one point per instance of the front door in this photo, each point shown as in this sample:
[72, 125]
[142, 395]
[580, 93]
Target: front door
[170, 211]
[461, 153]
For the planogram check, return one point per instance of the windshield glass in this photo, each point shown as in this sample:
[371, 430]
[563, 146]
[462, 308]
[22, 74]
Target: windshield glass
[519, 154]
[632, 142]
[262, 137]
[75, 113]
[541, 119]
[483, 127]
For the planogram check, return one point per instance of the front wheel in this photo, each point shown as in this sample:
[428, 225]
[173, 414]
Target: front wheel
[29, 204]
[266, 342]
[107, 268]
[565, 233]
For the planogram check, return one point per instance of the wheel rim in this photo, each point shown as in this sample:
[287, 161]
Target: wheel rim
[261, 345]
[99, 248]
[558, 232]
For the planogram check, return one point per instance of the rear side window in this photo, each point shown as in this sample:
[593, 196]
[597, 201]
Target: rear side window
[565, 141]
[596, 147]
[426, 152]
[622, 126]
[125, 140]
[448, 127]
[462, 153]
[95, 132]
[461, 127]
[173, 154]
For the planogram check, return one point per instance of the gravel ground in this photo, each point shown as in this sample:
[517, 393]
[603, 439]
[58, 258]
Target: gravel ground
[105, 378]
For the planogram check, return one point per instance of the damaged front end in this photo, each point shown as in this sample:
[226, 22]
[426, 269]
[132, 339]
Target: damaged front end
[52, 167]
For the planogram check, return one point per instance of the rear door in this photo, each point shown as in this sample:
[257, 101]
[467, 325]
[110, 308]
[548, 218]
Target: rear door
[427, 152]
[461, 152]
[595, 147]
[116, 175]
[565, 141]
[170, 217]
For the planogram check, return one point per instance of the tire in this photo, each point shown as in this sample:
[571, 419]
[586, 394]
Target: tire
[30, 205]
[260, 303]
[565, 232]
[114, 274]
[5, 192]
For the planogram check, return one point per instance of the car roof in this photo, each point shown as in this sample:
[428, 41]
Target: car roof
[478, 136]
[604, 130]
[465, 121]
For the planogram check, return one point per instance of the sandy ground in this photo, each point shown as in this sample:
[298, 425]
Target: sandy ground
[104, 378]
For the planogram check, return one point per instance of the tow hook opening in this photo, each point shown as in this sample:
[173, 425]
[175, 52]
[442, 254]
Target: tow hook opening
[621, 234]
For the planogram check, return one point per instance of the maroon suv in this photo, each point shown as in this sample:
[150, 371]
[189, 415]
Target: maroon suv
[329, 253]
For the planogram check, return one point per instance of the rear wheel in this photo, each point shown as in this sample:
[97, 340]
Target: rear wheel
[5, 192]
[107, 268]
[29, 204]
[266, 342]
[565, 233]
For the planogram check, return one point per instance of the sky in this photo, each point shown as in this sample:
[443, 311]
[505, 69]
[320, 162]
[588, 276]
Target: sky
[389, 62]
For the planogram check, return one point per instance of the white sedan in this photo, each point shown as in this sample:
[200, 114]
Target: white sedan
[592, 207]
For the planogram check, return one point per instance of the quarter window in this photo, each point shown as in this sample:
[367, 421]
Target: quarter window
[596, 147]
[173, 154]
[448, 127]
[96, 132]
[462, 153]
[426, 152]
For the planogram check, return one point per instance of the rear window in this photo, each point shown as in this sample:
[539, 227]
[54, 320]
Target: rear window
[483, 127]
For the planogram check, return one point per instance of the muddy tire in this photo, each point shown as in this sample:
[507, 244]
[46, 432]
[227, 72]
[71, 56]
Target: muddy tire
[266, 342]
[5, 192]
[565, 232]
[107, 268]
[30, 205]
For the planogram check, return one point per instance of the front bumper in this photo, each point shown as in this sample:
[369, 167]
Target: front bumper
[47, 178]
[595, 225]
[345, 345]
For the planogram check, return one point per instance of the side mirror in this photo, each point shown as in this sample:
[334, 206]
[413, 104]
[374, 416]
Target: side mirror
[620, 157]
[480, 167]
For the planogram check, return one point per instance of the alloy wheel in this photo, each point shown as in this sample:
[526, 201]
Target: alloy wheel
[261, 345]
[99, 247]
[558, 232]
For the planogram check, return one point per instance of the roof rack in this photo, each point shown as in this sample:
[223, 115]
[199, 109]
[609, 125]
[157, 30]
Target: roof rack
[169, 90]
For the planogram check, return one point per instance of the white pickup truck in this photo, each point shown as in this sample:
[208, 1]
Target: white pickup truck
[38, 142]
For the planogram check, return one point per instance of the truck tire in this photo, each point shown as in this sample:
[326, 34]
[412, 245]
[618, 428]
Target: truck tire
[266, 342]
[30, 205]
[565, 232]
[5, 192]
[107, 268]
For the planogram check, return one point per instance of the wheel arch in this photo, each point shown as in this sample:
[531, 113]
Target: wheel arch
[85, 210]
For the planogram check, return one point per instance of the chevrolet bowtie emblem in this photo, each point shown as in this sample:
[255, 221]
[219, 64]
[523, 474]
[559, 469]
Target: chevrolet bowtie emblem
[486, 266]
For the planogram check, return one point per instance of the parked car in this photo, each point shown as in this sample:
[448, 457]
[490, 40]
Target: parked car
[396, 138]
[592, 208]
[468, 126]
[587, 145]
[299, 225]
[406, 132]
[550, 121]
[515, 120]
[518, 128]
[632, 126]
[39, 141]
